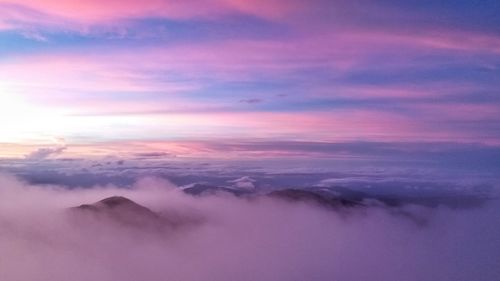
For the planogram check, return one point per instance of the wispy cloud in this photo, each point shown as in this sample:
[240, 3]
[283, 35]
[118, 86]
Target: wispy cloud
[196, 71]
[251, 101]
[46, 152]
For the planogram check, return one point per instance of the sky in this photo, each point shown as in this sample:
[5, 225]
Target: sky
[257, 78]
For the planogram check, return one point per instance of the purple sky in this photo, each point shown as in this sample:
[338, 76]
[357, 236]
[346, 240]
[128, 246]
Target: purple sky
[233, 78]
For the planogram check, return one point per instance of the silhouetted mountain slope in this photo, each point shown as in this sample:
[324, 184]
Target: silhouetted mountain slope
[298, 195]
[119, 204]
[203, 189]
[428, 198]
[349, 197]
[125, 212]
[119, 210]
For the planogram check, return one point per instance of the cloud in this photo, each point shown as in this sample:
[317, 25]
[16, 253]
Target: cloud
[473, 155]
[33, 35]
[46, 152]
[85, 15]
[153, 154]
[238, 239]
[244, 182]
[251, 101]
[363, 101]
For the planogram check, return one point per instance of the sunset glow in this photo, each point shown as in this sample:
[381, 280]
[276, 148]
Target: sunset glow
[255, 70]
[249, 140]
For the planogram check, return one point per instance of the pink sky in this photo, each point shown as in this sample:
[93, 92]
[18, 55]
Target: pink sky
[120, 72]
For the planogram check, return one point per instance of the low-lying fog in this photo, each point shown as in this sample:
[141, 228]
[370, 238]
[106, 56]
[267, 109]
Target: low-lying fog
[227, 239]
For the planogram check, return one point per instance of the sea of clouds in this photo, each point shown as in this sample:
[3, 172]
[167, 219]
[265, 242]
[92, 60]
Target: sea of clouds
[239, 239]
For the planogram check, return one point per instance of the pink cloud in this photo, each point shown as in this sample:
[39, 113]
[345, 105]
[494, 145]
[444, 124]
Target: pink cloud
[338, 32]
[67, 81]
[457, 111]
[81, 81]
[445, 39]
[83, 14]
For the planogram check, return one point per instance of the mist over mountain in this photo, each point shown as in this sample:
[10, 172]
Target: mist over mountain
[154, 230]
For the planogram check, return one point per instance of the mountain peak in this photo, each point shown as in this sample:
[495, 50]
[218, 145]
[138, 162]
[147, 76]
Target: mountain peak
[125, 212]
[120, 209]
[115, 201]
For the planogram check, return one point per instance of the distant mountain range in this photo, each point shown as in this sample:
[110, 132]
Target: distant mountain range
[345, 197]
[200, 189]
[125, 212]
